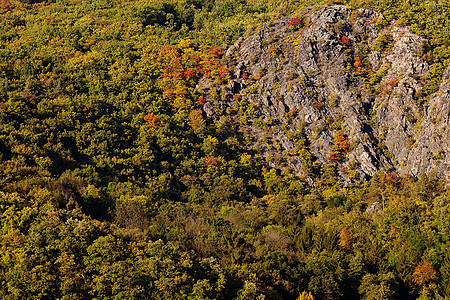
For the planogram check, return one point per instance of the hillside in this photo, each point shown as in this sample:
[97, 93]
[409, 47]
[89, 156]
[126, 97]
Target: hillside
[340, 87]
[224, 149]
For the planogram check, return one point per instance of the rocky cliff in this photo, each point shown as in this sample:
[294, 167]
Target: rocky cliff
[335, 87]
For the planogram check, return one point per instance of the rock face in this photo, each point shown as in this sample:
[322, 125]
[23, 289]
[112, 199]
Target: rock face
[344, 90]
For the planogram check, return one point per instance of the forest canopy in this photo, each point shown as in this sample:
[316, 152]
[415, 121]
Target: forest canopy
[113, 184]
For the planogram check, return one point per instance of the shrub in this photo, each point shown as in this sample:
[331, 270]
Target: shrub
[345, 40]
[384, 41]
[381, 23]
[274, 50]
[295, 23]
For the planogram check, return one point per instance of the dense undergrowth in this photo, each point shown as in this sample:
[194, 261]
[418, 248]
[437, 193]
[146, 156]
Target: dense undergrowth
[114, 186]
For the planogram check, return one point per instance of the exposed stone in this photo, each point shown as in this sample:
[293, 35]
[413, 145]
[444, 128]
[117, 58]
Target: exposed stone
[375, 207]
[331, 79]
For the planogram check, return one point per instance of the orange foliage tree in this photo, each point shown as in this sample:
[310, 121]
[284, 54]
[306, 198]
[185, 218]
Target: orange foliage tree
[424, 273]
[152, 120]
[340, 148]
[346, 239]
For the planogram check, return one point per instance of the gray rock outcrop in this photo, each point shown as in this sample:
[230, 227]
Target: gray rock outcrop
[347, 86]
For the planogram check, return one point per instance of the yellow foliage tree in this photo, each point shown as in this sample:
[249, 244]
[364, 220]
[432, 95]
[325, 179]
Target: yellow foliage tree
[305, 296]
